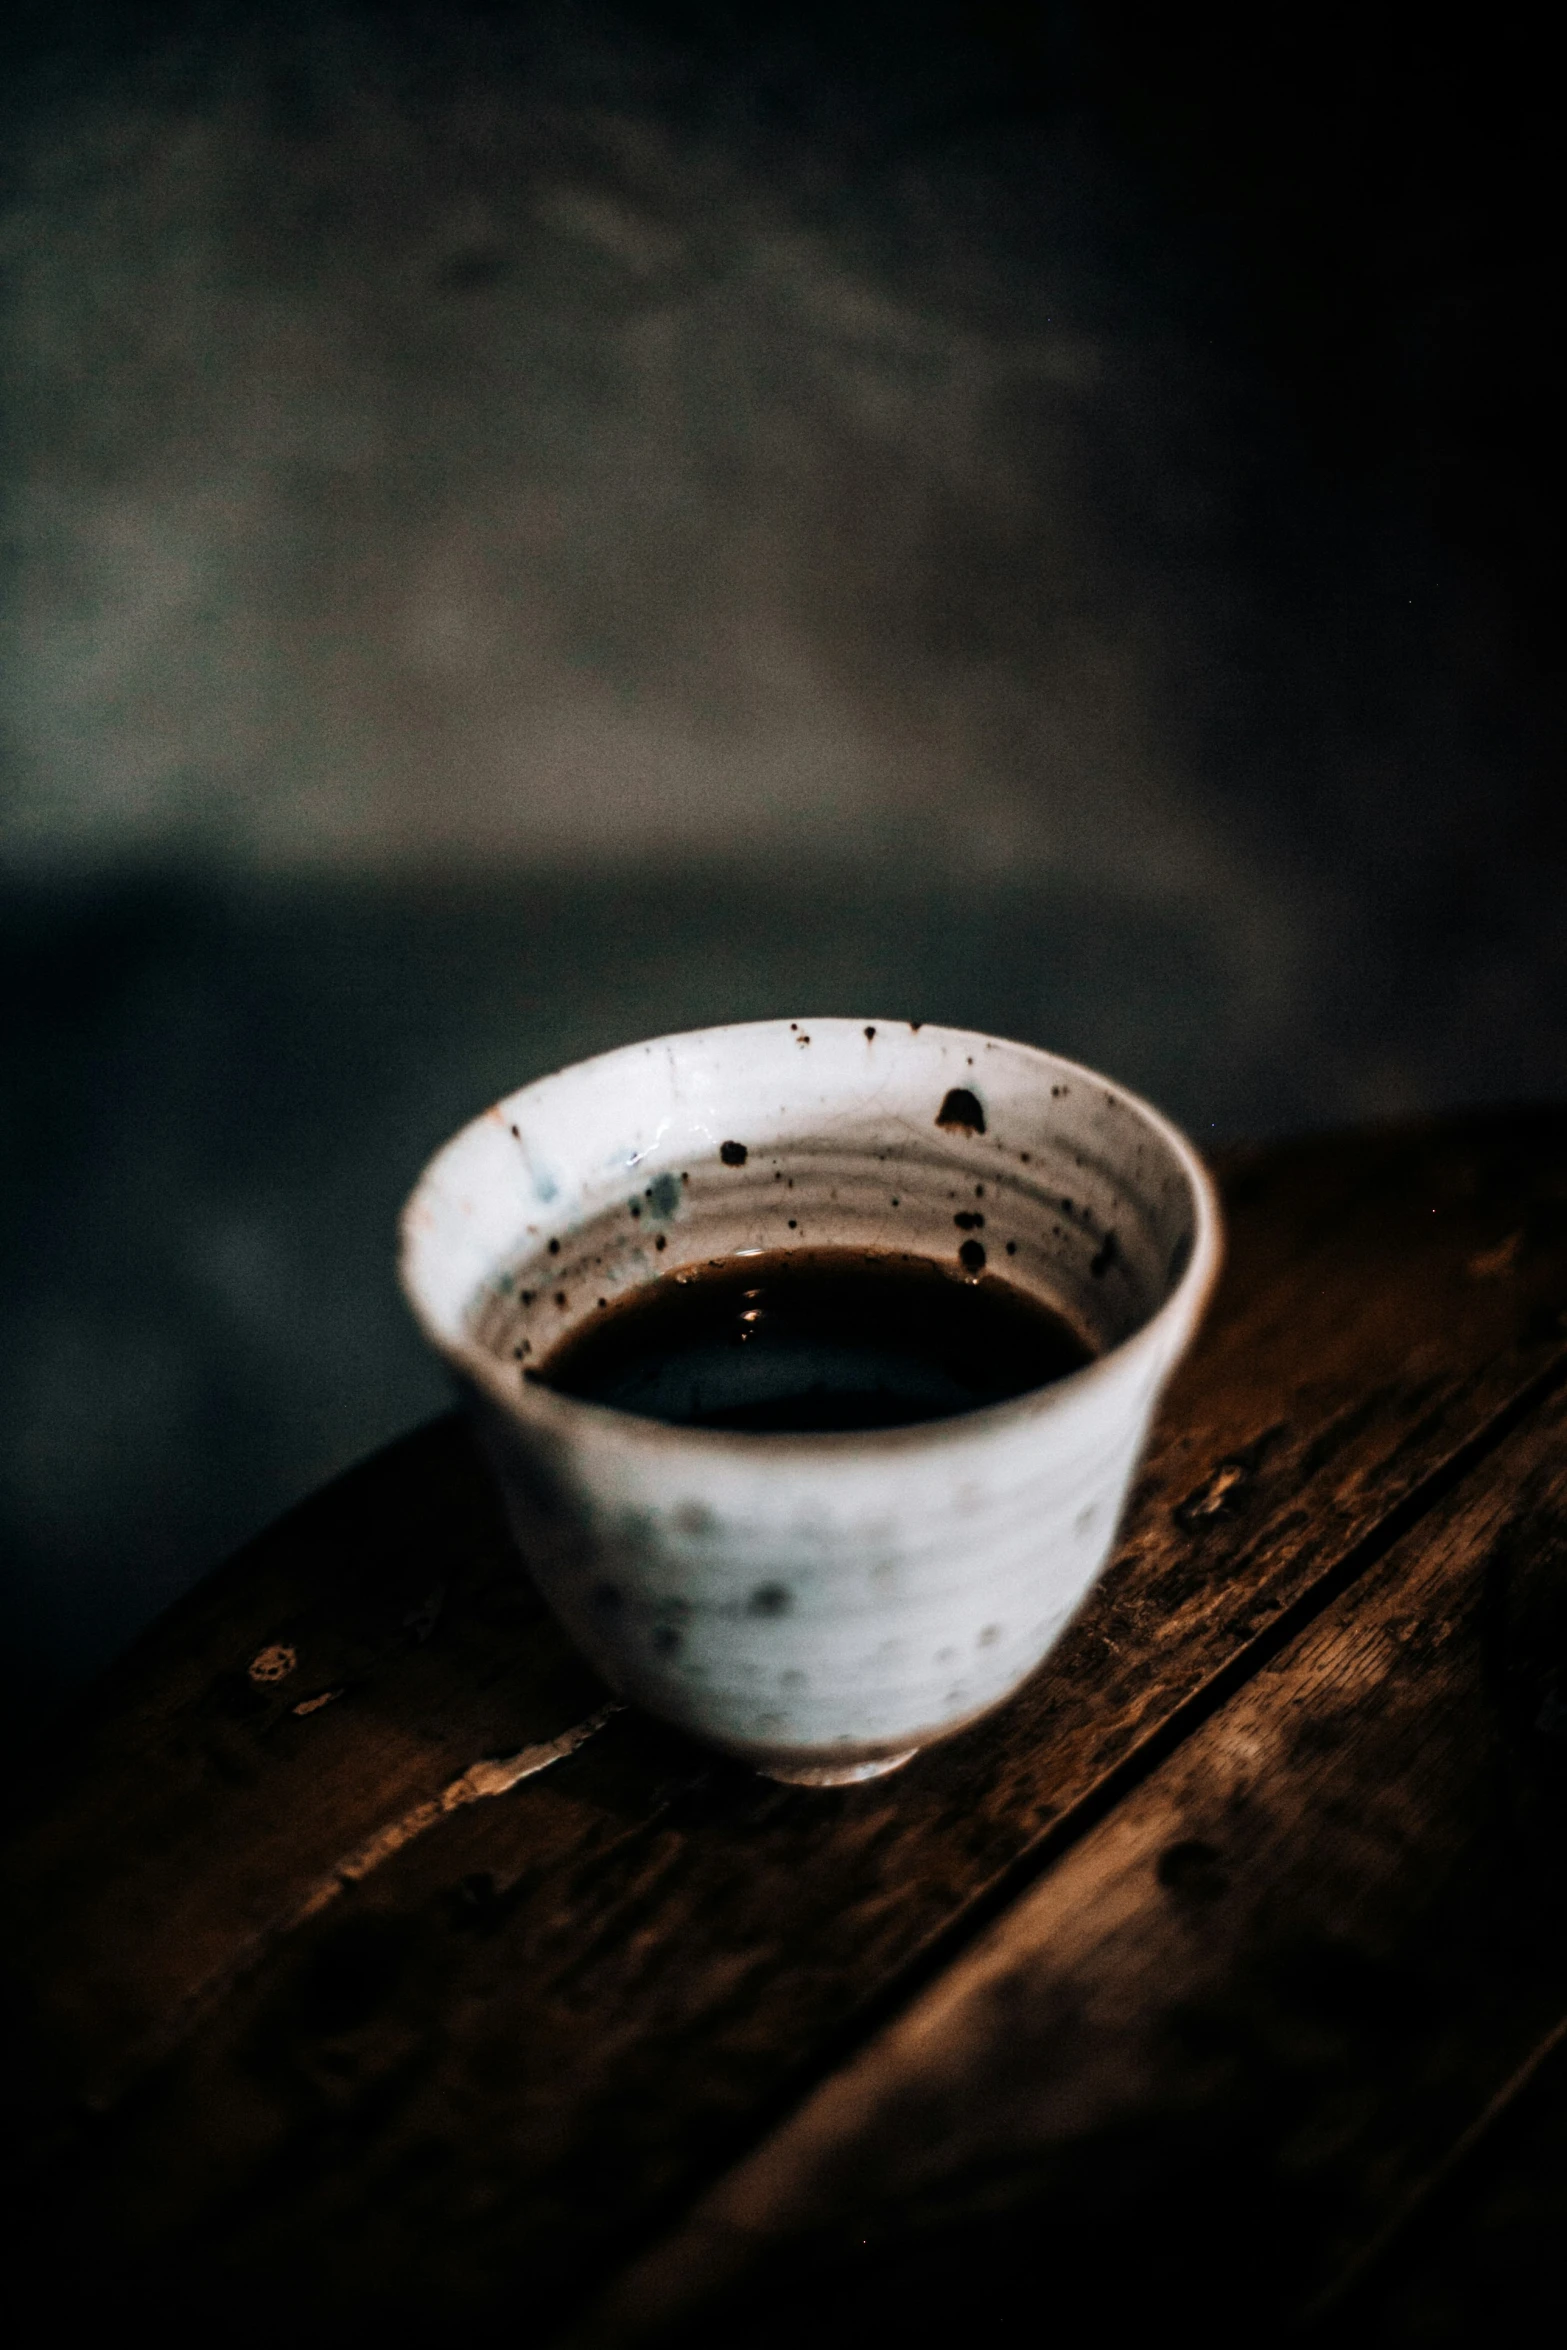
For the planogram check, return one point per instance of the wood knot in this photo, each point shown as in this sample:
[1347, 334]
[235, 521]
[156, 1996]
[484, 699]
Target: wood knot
[272, 1665]
[1217, 1496]
[1225, 1490]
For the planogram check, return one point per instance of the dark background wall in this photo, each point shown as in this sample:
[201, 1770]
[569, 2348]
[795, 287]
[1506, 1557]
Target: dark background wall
[527, 527]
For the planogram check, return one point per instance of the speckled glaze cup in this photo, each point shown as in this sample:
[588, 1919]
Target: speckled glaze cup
[820, 1606]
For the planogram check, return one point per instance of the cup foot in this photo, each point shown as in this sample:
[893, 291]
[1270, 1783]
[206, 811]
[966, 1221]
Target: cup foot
[836, 1774]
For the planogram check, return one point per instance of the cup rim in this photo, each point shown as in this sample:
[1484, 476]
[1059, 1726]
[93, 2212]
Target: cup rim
[1161, 1334]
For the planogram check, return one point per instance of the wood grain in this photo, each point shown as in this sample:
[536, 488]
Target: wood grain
[1237, 2030]
[530, 2038]
[1481, 2260]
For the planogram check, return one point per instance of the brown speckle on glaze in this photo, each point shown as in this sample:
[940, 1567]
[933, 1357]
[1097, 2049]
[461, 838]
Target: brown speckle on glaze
[960, 1112]
[733, 1154]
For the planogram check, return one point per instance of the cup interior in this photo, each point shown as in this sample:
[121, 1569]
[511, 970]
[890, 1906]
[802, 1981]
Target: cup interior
[994, 1159]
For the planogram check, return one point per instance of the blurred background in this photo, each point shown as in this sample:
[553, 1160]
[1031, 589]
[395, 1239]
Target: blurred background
[532, 526]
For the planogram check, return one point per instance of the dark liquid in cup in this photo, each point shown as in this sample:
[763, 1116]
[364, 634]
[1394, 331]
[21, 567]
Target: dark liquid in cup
[810, 1340]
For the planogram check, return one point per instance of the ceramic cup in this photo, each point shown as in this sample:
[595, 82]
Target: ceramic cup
[820, 1606]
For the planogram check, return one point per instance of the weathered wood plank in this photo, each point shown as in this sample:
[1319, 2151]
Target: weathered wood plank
[1481, 2257]
[543, 2025]
[191, 1805]
[1229, 2037]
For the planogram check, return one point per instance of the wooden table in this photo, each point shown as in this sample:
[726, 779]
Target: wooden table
[1216, 1980]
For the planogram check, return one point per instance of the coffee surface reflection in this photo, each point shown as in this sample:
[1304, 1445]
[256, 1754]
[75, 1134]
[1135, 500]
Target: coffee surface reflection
[810, 1341]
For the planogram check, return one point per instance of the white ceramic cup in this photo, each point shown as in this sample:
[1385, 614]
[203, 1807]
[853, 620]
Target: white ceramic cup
[821, 1606]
